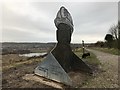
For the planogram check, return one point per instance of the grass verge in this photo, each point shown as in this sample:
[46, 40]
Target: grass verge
[92, 59]
[108, 50]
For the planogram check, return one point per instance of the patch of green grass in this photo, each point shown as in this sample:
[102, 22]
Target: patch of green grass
[78, 52]
[92, 59]
[109, 50]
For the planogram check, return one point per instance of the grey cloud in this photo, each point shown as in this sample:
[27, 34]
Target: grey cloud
[15, 20]
[89, 19]
[97, 13]
[19, 36]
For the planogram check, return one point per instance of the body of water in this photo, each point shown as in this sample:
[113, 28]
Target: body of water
[33, 54]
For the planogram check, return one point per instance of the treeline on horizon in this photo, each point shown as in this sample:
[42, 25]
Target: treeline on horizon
[112, 38]
[37, 43]
[22, 48]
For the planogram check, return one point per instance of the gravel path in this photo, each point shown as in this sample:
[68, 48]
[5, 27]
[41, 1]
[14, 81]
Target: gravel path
[108, 78]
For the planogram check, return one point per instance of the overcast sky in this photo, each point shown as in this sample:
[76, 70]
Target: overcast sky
[34, 21]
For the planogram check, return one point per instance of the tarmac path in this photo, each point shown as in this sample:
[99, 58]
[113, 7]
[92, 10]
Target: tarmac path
[108, 78]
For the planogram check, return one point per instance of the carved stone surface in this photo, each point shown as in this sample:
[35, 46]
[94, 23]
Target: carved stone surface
[61, 59]
[63, 16]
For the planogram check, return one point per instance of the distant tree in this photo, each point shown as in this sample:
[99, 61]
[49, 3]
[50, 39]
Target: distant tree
[109, 37]
[109, 40]
[99, 43]
[119, 35]
[114, 31]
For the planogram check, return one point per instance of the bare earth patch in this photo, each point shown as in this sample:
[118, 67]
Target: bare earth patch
[13, 76]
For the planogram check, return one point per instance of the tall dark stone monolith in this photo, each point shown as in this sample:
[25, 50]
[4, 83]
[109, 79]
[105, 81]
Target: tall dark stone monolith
[62, 52]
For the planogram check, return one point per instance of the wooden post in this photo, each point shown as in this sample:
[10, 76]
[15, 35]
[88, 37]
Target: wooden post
[83, 46]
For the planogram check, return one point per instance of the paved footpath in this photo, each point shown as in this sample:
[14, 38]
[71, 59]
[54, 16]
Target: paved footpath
[109, 77]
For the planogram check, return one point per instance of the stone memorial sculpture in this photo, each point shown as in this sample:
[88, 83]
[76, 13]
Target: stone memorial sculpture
[61, 60]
